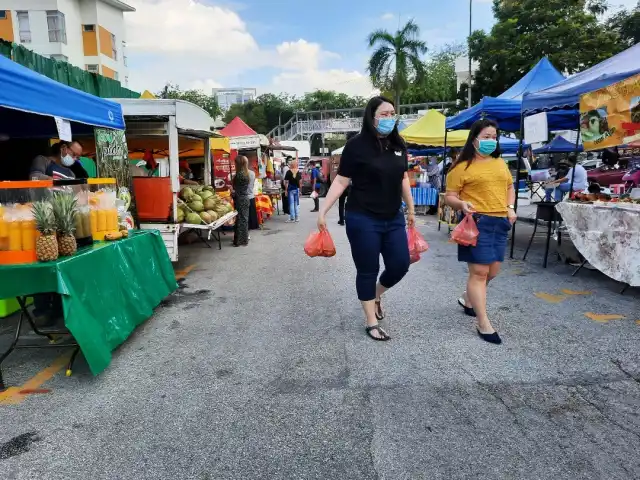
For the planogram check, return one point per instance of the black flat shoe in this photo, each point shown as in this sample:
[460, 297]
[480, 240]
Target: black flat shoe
[341, 224]
[383, 336]
[467, 310]
[490, 337]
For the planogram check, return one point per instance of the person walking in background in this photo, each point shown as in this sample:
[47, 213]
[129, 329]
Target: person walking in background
[292, 183]
[254, 224]
[315, 187]
[481, 184]
[241, 182]
[375, 162]
[285, 198]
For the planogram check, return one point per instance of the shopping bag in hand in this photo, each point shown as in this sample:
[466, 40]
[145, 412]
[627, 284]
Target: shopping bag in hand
[417, 244]
[320, 244]
[466, 233]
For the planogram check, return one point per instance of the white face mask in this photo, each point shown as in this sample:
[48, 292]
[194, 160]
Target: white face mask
[68, 160]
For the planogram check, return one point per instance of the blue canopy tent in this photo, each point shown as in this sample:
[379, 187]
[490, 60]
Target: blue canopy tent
[506, 108]
[507, 146]
[566, 94]
[25, 92]
[559, 145]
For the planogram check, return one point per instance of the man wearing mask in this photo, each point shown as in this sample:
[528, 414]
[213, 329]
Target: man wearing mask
[60, 164]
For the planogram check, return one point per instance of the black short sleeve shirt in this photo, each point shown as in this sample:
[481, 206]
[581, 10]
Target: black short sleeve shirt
[376, 171]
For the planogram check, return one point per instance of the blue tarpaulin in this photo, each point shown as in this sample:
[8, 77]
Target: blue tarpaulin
[506, 108]
[507, 146]
[27, 91]
[559, 145]
[566, 94]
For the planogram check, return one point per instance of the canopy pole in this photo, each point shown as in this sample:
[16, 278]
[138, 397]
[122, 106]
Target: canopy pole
[444, 162]
[577, 150]
[517, 185]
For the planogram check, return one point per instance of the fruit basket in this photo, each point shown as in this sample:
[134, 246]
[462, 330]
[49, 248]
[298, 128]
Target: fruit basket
[18, 232]
[80, 190]
[103, 211]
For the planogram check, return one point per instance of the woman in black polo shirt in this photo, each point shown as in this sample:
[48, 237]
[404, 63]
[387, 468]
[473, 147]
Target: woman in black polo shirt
[375, 161]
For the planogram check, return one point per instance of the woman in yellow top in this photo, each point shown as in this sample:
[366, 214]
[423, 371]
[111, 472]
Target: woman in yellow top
[480, 183]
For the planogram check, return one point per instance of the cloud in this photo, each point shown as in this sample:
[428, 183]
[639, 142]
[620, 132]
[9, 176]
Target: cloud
[388, 16]
[197, 45]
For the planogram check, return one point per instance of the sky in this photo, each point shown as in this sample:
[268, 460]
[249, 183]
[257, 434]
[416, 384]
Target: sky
[279, 46]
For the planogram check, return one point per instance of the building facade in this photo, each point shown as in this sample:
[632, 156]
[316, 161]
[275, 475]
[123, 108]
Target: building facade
[89, 34]
[232, 96]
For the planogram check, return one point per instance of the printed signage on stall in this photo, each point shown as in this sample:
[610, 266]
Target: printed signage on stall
[223, 169]
[245, 143]
[112, 155]
[610, 116]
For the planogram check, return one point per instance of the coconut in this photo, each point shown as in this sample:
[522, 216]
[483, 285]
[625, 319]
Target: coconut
[196, 206]
[195, 198]
[193, 218]
[186, 192]
[181, 216]
[206, 217]
[209, 204]
[209, 188]
[213, 214]
[206, 194]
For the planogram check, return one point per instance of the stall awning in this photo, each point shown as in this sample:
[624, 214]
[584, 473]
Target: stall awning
[27, 91]
[566, 94]
[559, 145]
[429, 130]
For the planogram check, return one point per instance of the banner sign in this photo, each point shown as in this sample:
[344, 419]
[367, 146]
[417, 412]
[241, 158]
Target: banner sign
[610, 116]
[536, 128]
[112, 155]
[245, 143]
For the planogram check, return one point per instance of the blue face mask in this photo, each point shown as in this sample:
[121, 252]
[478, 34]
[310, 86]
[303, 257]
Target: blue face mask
[386, 125]
[487, 146]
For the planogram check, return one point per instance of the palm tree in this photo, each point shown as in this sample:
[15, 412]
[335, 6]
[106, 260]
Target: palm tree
[396, 59]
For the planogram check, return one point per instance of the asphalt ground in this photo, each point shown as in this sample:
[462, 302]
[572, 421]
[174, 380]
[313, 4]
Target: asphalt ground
[258, 367]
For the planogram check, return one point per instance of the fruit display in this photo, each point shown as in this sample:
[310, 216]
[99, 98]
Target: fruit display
[604, 199]
[201, 205]
[65, 211]
[45, 223]
[80, 191]
[18, 234]
[103, 211]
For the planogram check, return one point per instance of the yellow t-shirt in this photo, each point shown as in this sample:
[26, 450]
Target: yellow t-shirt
[484, 184]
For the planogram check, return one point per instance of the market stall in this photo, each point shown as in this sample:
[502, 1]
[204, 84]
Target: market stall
[164, 204]
[105, 288]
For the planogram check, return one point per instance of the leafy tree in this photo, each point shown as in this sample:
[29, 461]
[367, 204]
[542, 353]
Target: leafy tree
[439, 82]
[396, 60]
[627, 25]
[197, 97]
[327, 100]
[567, 31]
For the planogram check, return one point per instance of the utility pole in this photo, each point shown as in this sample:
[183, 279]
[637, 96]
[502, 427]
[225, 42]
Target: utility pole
[469, 48]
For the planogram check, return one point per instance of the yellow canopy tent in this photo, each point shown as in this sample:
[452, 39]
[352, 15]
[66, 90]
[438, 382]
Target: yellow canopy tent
[429, 130]
[147, 95]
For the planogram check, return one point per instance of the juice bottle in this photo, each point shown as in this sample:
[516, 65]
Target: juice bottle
[4, 226]
[15, 236]
[102, 220]
[94, 221]
[113, 219]
[28, 228]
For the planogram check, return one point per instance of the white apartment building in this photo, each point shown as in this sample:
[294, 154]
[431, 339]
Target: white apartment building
[231, 96]
[89, 34]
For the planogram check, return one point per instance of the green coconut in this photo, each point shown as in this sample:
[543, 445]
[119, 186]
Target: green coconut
[206, 194]
[193, 218]
[209, 204]
[195, 198]
[181, 216]
[209, 188]
[196, 206]
[213, 214]
[186, 192]
[206, 218]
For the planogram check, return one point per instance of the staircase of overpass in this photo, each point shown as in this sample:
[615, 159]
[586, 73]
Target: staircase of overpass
[303, 125]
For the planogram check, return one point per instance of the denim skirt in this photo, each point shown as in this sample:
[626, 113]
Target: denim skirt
[492, 241]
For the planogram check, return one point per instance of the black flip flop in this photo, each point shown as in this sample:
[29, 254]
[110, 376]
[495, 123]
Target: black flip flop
[467, 310]
[383, 335]
[379, 311]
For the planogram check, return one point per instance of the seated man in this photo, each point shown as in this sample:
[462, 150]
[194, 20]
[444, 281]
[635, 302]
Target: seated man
[62, 163]
[563, 185]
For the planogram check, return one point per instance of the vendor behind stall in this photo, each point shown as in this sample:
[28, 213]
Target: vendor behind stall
[60, 164]
[185, 174]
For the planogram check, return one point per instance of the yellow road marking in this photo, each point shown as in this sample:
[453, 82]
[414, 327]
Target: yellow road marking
[181, 274]
[12, 395]
[637, 322]
[547, 297]
[573, 292]
[603, 318]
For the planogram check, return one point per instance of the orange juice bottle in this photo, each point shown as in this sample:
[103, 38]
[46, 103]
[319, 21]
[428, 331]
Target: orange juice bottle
[102, 220]
[4, 226]
[113, 219]
[93, 215]
[15, 236]
[28, 228]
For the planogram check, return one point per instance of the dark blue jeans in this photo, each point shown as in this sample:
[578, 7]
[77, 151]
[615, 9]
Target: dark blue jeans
[369, 238]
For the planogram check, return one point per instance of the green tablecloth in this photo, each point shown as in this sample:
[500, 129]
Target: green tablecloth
[107, 290]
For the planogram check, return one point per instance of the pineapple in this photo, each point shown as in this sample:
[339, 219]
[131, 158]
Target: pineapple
[47, 243]
[65, 209]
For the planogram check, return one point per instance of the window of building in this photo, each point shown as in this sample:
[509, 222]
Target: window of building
[92, 68]
[3, 14]
[126, 81]
[116, 76]
[124, 60]
[60, 58]
[114, 47]
[57, 27]
[24, 27]
[89, 28]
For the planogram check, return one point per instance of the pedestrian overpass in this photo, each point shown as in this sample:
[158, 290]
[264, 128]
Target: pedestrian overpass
[303, 125]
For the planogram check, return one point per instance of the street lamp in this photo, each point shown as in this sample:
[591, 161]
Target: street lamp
[469, 50]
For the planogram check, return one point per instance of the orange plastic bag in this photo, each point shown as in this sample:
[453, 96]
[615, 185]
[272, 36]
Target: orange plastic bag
[466, 233]
[320, 244]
